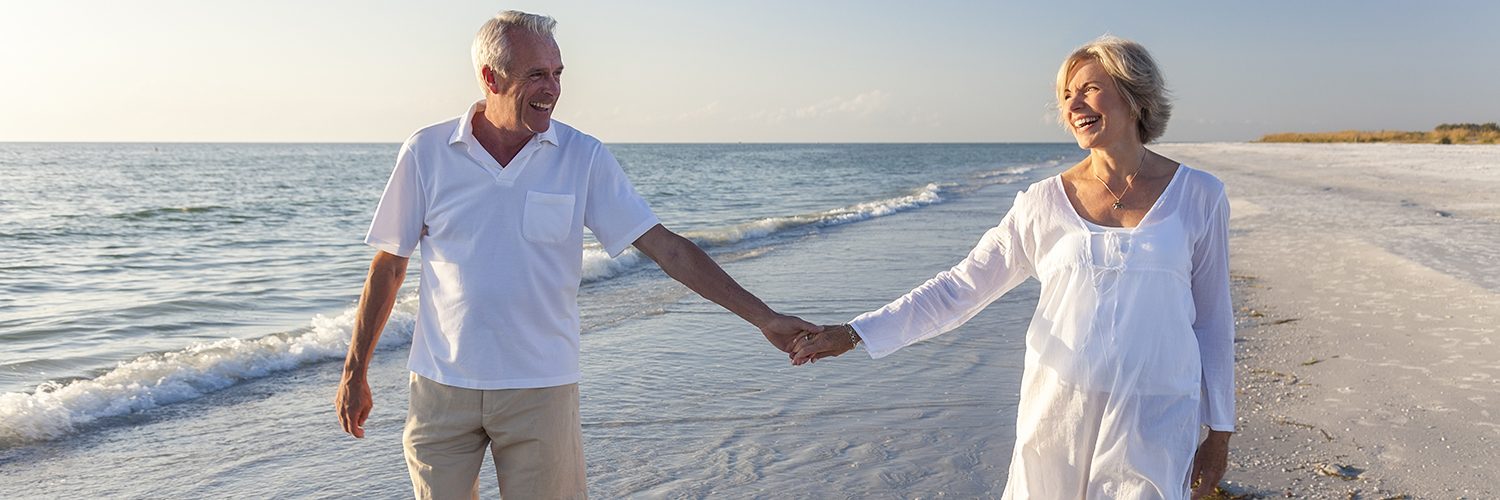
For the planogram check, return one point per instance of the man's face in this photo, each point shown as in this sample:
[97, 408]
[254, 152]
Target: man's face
[525, 99]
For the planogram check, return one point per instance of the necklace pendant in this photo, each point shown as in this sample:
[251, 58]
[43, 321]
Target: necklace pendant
[1118, 205]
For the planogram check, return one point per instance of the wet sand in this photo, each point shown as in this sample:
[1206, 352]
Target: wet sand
[1368, 300]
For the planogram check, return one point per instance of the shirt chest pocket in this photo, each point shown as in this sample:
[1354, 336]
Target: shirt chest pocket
[548, 217]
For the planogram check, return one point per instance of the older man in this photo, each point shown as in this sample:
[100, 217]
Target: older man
[497, 199]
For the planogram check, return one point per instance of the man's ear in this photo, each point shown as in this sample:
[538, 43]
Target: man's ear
[489, 80]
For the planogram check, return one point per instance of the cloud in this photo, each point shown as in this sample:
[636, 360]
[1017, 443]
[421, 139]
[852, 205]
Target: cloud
[702, 112]
[861, 106]
[618, 114]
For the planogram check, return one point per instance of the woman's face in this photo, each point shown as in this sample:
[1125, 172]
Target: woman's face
[1095, 110]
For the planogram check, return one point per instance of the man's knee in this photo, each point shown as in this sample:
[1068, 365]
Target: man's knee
[538, 446]
[444, 440]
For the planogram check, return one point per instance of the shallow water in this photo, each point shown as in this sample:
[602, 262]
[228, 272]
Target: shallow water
[184, 308]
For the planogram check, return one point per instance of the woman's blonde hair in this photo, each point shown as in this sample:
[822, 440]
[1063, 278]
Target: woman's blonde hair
[1134, 73]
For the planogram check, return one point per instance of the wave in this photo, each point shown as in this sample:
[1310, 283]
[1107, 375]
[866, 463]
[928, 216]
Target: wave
[57, 409]
[598, 265]
[169, 212]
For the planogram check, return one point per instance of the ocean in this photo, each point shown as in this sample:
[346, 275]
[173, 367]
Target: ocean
[173, 320]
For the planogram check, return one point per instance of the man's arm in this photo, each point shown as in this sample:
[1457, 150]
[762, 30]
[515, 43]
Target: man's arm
[353, 401]
[686, 263]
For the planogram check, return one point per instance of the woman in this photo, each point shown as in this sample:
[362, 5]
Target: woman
[1131, 346]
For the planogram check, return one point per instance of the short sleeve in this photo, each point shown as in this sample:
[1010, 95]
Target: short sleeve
[1214, 320]
[400, 217]
[614, 211]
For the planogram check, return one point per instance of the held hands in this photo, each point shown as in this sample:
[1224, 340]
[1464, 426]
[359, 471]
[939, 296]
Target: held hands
[782, 330]
[832, 341]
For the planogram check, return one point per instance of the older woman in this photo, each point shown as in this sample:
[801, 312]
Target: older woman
[1131, 346]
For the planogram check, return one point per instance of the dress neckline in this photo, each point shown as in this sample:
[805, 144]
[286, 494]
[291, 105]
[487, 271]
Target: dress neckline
[1181, 170]
[1111, 229]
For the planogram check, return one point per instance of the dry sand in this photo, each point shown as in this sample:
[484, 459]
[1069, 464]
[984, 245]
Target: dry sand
[1368, 289]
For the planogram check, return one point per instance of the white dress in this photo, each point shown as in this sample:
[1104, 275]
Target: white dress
[1131, 347]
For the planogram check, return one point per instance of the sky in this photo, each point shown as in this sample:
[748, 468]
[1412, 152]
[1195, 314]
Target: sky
[731, 71]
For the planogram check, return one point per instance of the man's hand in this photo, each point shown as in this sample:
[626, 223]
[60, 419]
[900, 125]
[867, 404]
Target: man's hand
[1209, 463]
[353, 403]
[783, 330]
[832, 341]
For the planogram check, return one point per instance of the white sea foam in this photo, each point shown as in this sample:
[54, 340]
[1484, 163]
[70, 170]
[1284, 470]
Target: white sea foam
[152, 380]
[597, 265]
[1017, 170]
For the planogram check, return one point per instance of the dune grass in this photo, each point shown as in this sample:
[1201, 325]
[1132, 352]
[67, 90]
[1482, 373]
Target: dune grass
[1447, 133]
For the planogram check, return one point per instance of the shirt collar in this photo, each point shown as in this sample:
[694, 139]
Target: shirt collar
[465, 132]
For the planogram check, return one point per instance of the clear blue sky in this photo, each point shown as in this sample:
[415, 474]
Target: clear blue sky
[755, 71]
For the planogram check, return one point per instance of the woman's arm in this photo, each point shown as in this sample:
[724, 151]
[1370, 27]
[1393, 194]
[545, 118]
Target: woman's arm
[997, 264]
[1214, 324]
[1214, 327]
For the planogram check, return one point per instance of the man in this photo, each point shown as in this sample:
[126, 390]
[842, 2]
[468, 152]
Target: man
[498, 199]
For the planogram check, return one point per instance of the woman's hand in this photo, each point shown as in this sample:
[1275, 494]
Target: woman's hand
[1210, 462]
[832, 341]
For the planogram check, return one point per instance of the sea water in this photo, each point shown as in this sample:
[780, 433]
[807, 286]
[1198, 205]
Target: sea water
[173, 319]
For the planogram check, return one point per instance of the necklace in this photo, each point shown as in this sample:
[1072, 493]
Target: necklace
[1129, 181]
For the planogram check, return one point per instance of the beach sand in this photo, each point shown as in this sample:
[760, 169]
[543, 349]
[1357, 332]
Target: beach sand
[1366, 289]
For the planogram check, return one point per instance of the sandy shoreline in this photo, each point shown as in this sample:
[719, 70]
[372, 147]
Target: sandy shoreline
[1366, 284]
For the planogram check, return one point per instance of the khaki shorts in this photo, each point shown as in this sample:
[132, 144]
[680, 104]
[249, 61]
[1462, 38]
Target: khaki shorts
[534, 435]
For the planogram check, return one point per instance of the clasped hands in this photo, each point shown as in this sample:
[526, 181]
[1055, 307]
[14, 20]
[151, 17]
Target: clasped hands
[805, 342]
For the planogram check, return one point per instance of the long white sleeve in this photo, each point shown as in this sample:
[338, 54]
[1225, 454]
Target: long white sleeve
[1214, 321]
[996, 265]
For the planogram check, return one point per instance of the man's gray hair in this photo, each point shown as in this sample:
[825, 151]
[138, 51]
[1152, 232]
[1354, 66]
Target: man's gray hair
[491, 49]
[1135, 74]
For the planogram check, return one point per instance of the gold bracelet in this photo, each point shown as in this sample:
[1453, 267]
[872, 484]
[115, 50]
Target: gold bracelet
[853, 336]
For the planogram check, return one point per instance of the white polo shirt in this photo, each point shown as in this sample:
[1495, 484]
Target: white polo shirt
[502, 249]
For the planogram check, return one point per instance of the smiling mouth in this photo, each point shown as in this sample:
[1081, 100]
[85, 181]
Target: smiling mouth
[1084, 122]
[542, 106]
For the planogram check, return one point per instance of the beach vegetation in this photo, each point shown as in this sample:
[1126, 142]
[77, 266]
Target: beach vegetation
[1221, 494]
[1447, 133]
[1292, 378]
